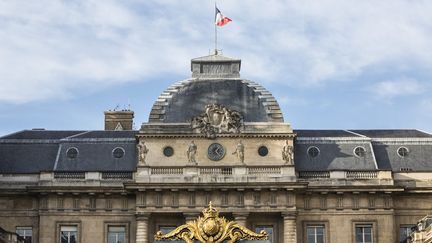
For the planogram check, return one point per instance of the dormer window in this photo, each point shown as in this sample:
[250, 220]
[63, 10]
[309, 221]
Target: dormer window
[403, 152]
[72, 153]
[118, 153]
[313, 152]
[359, 151]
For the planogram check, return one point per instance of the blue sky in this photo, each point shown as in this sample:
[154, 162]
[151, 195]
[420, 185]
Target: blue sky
[332, 64]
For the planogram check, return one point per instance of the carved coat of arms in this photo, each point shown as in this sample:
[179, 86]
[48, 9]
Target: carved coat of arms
[217, 119]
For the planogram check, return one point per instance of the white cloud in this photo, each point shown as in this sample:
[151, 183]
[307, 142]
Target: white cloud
[52, 48]
[393, 88]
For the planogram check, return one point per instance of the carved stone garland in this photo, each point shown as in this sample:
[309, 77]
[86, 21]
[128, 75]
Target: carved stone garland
[211, 229]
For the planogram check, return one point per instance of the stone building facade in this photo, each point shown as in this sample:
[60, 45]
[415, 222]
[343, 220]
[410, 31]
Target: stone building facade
[221, 138]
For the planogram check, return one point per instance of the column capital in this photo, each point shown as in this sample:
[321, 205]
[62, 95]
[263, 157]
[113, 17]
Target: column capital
[289, 215]
[142, 216]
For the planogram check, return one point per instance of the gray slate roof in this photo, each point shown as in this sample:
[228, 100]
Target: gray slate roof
[253, 101]
[32, 151]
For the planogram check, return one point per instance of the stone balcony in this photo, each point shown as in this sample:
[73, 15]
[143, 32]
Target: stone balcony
[224, 174]
[347, 177]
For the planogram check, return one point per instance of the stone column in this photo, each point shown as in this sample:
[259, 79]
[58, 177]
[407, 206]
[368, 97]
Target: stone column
[241, 218]
[142, 228]
[290, 227]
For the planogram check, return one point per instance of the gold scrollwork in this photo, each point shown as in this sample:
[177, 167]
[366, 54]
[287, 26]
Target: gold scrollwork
[211, 229]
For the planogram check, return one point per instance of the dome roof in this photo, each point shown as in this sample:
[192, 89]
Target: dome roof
[215, 80]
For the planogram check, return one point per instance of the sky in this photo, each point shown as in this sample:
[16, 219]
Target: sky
[331, 64]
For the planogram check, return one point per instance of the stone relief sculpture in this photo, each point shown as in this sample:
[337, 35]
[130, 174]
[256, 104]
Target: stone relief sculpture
[191, 152]
[240, 151]
[217, 119]
[142, 152]
[288, 154]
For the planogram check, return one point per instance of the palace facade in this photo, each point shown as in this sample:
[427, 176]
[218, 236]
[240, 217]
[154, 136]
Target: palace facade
[221, 138]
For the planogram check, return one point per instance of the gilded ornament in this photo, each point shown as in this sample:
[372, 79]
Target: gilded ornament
[211, 229]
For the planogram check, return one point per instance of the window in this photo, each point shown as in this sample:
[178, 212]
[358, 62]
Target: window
[116, 234]
[166, 229]
[26, 233]
[118, 153]
[72, 153]
[404, 233]
[315, 233]
[266, 228]
[363, 233]
[262, 151]
[313, 152]
[403, 152]
[68, 234]
[168, 151]
[359, 151]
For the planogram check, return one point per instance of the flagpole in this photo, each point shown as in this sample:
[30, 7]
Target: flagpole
[215, 51]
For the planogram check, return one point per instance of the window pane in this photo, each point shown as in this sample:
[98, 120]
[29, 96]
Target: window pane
[73, 238]
[64, 236]
[268, 229]
[121, 238]
[116, 229]
[404, 232]
[112, 238]
[320, 239]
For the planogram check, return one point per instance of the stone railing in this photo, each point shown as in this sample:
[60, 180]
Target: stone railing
[166, 171]
[216, 171]
[117, 175]
[348, 175]
[362, 175]
[70, 175]
[314, 174]
[264, 170]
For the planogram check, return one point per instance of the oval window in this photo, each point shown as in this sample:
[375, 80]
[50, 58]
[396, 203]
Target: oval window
[168, 151]
[72, 153]
[118, 153]
[262, 151]
[313, 152]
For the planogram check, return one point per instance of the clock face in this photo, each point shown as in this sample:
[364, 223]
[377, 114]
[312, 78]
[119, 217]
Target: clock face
[215, 152]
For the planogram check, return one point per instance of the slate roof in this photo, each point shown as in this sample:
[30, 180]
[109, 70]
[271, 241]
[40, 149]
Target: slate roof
[393, 133]
[41, 134]
[253, 101]
[324, 133]
[97, 157]
[27, 157]
[33, 151]
[337, 152]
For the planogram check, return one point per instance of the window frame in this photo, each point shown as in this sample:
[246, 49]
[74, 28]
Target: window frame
[317, 223]
[404, 226]
[405, 154]
[308, 151]
[125, 224]
[372, 223]
[362, 154]
[59, 224]
[31, 235]
[264, 225]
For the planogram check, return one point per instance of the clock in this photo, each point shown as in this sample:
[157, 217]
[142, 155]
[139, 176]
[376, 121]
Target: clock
[215, 152]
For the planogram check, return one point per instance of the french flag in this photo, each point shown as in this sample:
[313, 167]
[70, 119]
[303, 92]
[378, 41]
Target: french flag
[221, 20]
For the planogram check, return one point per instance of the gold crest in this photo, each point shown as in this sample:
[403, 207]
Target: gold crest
[211, 229]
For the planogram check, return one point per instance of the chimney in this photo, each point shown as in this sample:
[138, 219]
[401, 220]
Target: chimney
[119, 120]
